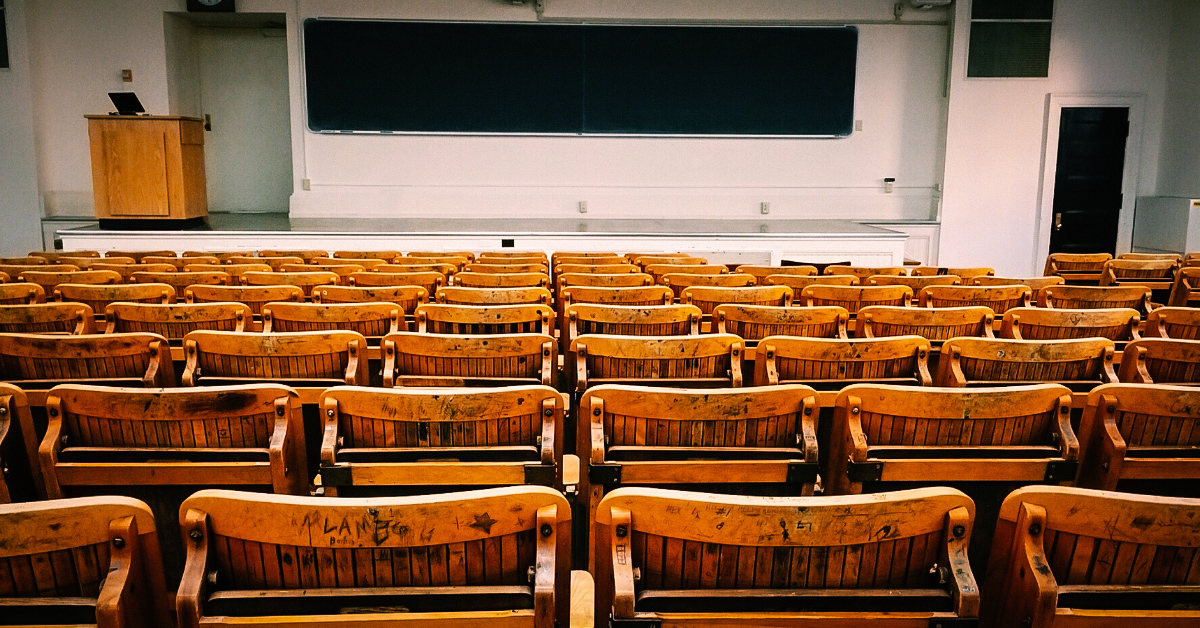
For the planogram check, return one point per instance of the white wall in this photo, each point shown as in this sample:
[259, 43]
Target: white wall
[996, 126]
[1179, 173]
[19, 207]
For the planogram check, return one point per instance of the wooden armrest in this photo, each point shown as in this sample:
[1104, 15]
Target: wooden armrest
[622, 564]
[48, 453]
[124, 572]
[961, 581]
[545, 567]
[547, 444]
[329, 438]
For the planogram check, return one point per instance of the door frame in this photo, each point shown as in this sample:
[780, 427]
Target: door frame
[1129, 179]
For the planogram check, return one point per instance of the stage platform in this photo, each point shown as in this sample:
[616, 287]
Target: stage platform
[722, 241]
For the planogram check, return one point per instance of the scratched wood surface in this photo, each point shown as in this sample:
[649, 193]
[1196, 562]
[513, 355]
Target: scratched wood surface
[1033, 323]
[709, 360]
[799, 282]
[854, 298]
[404, 265]
[1096, 297]
[1167, 322]
[409, 298]
[367, 263]
[681, 541]
[494, 268]
[139, 255]
[304, 254]
[999, 298]
[54, 256]
[709, 297]
[220, 255]
[1087, 361]
[173, 321]
[603, 280]
[786, 359]
[50, 279]
[1036, 284]
[1185, 289]
[126, 270]
[276, 262]
[472, 279]
[1159, 273]
[1139, 431]
[441, 318]
[99, 297]
[180, 262]
[368, 319]
[678, 282]
[429, 280]
[251, 434]
[597, 266]
[379, 254]
[879, 321]
[755, 322]
[342, 270]
[1051, 539]
[492, 537]
[916, 282]
[511, 255]
[101, 549]
[235, 271]
[761, 272]
[679, 259]
[864, 272]
[253, 297]
[47, 318]
[658, 271]
[459, 295]
[182, 279]
[1161, 361]
[122, 359]
[988, 427]
[17, 432]
[306, 280]
[337, 357]
[632, 320]
[963, 272]
[515, 358]
[1091, 264]
[14, 270]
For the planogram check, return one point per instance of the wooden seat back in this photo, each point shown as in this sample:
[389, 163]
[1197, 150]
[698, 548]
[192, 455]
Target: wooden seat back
[1078, 363]
[470, 279]
[275, 263]
[705, 361]
[87, 263]
[1174, 322]
[306, 281]
[343, 271]
[427, 571]
[696, 559]
[407, 297]
[180, 281]
[1161, 361]
[760, 273]
[511, 255]
[854, 298]
[530, 258]
[386, 255]
[678, 282]
[916, 282]
[419, 437]
[404, 266]
[173, 321]
[999, 299]
[707, 298]
[1079, 267]
[621, 280]
[1039, 323]
[946, 435]
[678, 259]
[1158, 274]
[459, 295]
[468, 255]
[99, 297]
[832, 362]
[180, 262]
[755, 322]
[25, 261]
[303, 358]
[125, 270]
[253, 297]
[634, 295]
[221, 436]
[1185, 290]
[1065, 554]
[799, 282]
[47, 318]
[430, 281]
[935, 325]
[632, 320]
[1036, 284]
[864, 272]
[658, 270]
[1151, 256]
[586, 257]
[42, 361]
[597, 268]
[54, 256]
[484, 268]
[415, 359]
[22, 479]
[458, 261]
[139, 255]
[220, 255]
[50, 279]
[235, 271]
[368, 263]
[964, 273]
[369, 319]
[473, 320]
[1096, 297]
[303, 254]
[1139, 432]
[85, 561]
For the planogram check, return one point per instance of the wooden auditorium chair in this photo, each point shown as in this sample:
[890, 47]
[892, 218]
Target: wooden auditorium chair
[173, 321]
[799, 282]
[1161, 361]
[47, 318]
[139, 255]
[632, 320]
[35, 361]
[381, 255]
[343, 271]
[601, 295]
[274, 262]
[469, 279]
[864, 272]
[494, 268]
[404, 438]
[755, 322]
[1080, 268]
[964, 273]
[407, 297]
[181, 280]
[306, 281]
[494, 557]
[1185, 290]
[1069, 297]
[679, 259]
[1080, 364]
[180, 262]
[936, 436]
[99, 297]
[53, 256]
[596, 268]
[22, 478]
[1039, 323]
[1156, 274]
[459, 295]
[676, 558]
[1036, 284]
[430, 280]
[678, 282]
[372, 320]
[935, 325]
[368, 263]
[33, 260]
[467, 255]
[854, 298]
[1139, 432]
[1170, 322]
[1066, 556]
[760, 272]
[86, 263]
[832, 363]
[126, 270]
[713, 440]
[468, 320]
[999, 299]
[705, 361]
[235, 271]
[447, 269]
[707, 298]
[16, 270]
[303, 254]
[251, 435]
[659, 270]
[91, 561]
[916, 282]
[505, 255]
[50, 279]
[1175, 257]
[300, 359]
[416, 359]
[253, 297]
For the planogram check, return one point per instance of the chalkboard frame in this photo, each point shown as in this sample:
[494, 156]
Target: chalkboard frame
[845, 113]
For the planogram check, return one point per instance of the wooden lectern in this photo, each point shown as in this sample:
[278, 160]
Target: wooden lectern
[148, 171]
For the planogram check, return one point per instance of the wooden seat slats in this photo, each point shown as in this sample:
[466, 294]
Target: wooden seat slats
[1161, 361]
[825, 362]
[413, 359]
[303, 358]
[705, 361]
[1139, 431]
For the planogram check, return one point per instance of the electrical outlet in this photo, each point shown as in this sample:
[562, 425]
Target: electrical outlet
[583, 207]
[764, 207]
[126, 75]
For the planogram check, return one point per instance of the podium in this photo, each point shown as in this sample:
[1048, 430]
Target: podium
[148, 171]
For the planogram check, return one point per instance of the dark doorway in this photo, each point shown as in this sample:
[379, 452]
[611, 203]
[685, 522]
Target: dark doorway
[1088, 181]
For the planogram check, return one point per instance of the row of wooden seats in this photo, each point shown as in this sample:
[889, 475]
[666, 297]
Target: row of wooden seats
[1064, 557]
